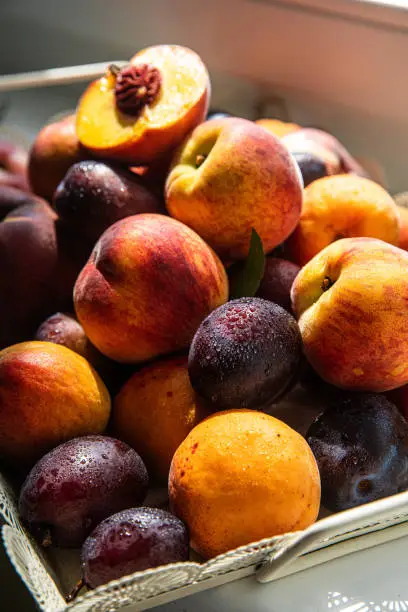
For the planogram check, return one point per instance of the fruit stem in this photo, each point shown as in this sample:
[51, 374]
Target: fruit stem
[47, 539]
[75, 590]
[199, 160]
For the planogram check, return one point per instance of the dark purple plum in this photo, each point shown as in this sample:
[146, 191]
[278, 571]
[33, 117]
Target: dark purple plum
[361, 447]
[78, 484]
[311, 166]
[131, 541]
[93, 195]
[245, 354]
[277, 281]
[64, 329]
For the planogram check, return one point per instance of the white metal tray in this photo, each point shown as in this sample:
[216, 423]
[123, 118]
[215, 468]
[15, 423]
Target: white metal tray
[50, 575]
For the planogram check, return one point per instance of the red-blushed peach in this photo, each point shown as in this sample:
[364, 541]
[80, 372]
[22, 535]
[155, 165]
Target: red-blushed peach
[54, 150]
[342, 206]
[138, 113]
[231, 176]
[147, 286]
[351, 301]
[240, 476]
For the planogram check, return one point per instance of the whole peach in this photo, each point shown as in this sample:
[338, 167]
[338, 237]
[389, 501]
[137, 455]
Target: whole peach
[351, 301]
[342, 206]
[240, 476]
[48, 394]
[230, 176]
[55, 149]
[155, 410]
[147, 286]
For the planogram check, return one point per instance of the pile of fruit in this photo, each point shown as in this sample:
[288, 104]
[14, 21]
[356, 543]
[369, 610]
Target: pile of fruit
[168, 277]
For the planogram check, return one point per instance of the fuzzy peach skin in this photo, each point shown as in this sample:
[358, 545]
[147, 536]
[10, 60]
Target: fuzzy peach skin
[182, 103]
[240, 476]
[351, 301]
[48, 394]
[342, 206]
[231, 176]
[147, 286]
[55, 149]
[155, 410]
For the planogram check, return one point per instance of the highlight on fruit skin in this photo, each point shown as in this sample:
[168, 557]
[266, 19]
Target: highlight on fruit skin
[245, 354]
[147, 286]
[48, 394]
[241, 476]
[231, 176]
[155, 410]
[78, 484]
[351, 304]
[138, 113]
[342, 206]
[130, 541]
[360, 444]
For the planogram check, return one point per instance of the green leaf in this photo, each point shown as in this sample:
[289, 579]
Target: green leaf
[245, 277]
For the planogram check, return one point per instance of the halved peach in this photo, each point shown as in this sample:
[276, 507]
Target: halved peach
[138, 113]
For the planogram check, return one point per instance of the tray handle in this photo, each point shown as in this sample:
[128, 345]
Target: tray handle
[379, 512]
